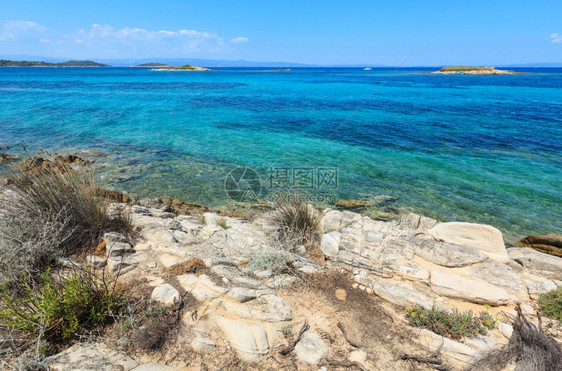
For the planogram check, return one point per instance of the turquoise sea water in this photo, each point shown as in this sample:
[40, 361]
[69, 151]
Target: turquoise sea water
[472, 148]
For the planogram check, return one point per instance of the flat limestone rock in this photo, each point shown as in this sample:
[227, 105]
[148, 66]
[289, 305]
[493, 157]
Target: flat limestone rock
[537, 285]
[165, 294]
[403, 296]
[330, 243]
[409, 270]
[90, 356]
[499, 275]
[535, 261]
[445, 253]
[251, 340]
[311, 349]
[468, 289]
[458, 353]
[484, 238]
[201, 287]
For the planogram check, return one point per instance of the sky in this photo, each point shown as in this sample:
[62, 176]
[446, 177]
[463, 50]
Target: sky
[409, 33]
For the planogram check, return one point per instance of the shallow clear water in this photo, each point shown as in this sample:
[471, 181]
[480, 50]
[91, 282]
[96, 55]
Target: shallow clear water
[473, 148]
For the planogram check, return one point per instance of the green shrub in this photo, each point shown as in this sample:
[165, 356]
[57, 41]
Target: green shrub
[59, 307]
[298, 224]
[454, 324]
[550, 304]
[274, 261]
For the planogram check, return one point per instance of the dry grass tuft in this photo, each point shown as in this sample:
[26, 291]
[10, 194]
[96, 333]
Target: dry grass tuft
[193, 265]
[298, 224]
[49, 213]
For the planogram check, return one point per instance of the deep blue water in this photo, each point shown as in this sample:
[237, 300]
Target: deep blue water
[474, 148]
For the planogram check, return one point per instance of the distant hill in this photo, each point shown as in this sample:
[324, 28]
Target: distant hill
[9, 63]
[153, 65]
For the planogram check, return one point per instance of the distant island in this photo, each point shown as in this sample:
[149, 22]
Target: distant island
[8, 63]
[153, 65]
[469, 70]
[186, 67]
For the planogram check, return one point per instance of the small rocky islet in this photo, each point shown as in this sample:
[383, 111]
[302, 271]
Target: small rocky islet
[471, 70]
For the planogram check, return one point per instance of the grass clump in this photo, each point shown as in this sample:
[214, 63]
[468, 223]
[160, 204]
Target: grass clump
[48, 212]
[60, 306]
[298, 224]
[550, 304]
[68, 195]
[221, 222]
[454, 324]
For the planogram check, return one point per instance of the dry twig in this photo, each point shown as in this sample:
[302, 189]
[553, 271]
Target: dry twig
[353, 344]
[433, 360]
[293, 343]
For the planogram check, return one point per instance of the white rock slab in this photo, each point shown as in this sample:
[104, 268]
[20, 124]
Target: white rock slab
[467, 289]
[485, 238]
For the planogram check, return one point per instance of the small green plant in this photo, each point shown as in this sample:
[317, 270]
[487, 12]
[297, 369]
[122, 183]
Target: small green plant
[287, 332]
[454, 324]
[60, 306]
[550, 304]
[221, 222]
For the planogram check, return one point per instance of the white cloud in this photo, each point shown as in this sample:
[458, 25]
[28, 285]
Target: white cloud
[556, 38]
[133, 40]
[14, 29]
[100, 32]
[239, 40]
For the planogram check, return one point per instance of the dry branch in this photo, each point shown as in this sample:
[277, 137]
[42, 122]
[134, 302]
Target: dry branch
[293, 343]
[353, 344]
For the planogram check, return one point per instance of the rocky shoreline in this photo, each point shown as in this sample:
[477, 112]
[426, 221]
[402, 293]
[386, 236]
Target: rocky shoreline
[242, 299]
[241, 307]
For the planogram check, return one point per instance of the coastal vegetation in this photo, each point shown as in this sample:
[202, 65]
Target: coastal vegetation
[52, 215]
[71, 63]
[452, 324]
[550, 304]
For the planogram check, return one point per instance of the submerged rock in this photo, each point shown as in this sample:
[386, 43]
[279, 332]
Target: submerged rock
[354, 205]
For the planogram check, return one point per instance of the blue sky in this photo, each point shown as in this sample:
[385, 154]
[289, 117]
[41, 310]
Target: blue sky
[318, 32]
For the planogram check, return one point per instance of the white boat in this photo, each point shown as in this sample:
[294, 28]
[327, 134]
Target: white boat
[367, 69]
